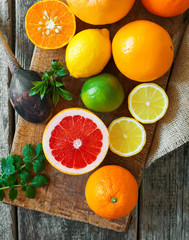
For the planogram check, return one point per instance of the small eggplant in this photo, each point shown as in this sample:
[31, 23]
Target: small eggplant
[31, 108]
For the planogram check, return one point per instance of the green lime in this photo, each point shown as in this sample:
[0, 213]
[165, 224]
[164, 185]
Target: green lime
[102, 93]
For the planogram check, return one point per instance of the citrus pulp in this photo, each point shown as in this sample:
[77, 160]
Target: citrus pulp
[75, 141]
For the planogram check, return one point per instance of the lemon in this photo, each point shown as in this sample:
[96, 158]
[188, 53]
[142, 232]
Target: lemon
[148, 102]
[127, 136]
[88, 52]
[102, 93]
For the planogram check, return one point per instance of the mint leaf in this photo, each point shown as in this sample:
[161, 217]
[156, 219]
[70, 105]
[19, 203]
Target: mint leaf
[13, 193]
[62, 72]
[30, 192]
[24, 188]
[65, 94]
[58, 84]
[25, 176]
[17, 161]
[39, 149]
[28, 151]
[11, 180]
[38, 166]
[7, 166]
[55, 96]
[2, 195]
[40, 180]
[26, 160]
[29, 166]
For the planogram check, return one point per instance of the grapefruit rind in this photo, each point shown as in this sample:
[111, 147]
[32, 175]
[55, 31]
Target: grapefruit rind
[55, 121]
[139, 148]
[158, 88]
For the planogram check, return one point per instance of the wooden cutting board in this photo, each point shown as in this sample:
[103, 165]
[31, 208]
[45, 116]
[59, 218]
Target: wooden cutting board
[64, 196]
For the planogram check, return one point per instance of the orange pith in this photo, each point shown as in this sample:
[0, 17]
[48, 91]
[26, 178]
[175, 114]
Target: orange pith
[50, 24]
[166, 8]
[111, 192]
[75, 141]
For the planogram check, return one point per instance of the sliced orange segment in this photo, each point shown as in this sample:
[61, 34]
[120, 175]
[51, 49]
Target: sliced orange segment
[50, 24]
[127, 136]
[148, 102]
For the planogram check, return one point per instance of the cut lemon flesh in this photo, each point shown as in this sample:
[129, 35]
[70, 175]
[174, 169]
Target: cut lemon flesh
[127, 136]
[148, 102]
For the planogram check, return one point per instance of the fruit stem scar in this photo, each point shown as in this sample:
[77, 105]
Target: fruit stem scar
[113, 199]
[77, 143]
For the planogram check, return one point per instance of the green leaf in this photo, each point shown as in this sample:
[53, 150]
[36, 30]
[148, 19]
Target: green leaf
[25, 176]
[59, 84]
[38, 166]
[29, 166]
[11, 180]
[39, 83]
[26, 159]
[55, 96]
[30, 192]
[41, 157]
[24, 188]
[28, 151]
[17, 161]
[35, 90]
[39, 149]
[65, 94]
[13, 193]
[7, 166]
[62, 72]
[51, 72]
[2, 195]
[40, 180]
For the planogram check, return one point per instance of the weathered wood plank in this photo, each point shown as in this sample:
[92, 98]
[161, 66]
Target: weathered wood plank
[7, 213]
[35, 225]
[53, 227]
[164, 198]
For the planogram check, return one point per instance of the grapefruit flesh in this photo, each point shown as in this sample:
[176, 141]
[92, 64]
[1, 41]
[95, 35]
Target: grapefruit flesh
[75, 141]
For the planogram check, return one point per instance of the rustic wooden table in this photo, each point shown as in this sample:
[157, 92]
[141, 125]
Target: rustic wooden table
[163, 208]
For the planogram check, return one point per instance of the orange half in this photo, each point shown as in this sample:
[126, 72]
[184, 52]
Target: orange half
[50, 24]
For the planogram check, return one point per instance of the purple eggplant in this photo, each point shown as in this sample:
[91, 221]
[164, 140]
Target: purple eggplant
[31, 108]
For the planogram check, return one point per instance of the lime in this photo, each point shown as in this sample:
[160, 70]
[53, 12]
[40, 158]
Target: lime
[102, 93]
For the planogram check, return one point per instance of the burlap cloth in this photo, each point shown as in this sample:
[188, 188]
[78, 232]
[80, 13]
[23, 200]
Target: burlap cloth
[172, 131]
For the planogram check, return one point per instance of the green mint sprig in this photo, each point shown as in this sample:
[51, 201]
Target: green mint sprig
[52, 84]
[16, 172]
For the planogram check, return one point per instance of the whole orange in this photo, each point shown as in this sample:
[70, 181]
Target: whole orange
[100, 12]
[166, 8]
[142, 50]
[111, 192]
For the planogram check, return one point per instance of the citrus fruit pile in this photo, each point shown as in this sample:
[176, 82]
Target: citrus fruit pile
[76, 141]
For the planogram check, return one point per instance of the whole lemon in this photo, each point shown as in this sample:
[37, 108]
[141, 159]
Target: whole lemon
[142, 50]
[102, 93]
[88, 52]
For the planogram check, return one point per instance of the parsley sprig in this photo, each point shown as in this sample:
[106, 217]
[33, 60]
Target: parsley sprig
[52, 83]
[16, 172]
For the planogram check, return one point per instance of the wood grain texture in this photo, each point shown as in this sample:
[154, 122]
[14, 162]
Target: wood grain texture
[165, 198]
[7, 213]
[65, 196]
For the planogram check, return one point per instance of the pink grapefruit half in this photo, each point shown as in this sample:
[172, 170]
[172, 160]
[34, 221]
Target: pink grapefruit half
[75, 141]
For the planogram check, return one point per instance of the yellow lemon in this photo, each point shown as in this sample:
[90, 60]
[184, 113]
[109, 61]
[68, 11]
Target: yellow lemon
[88, 52]
[148, 102]
[127, 136]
